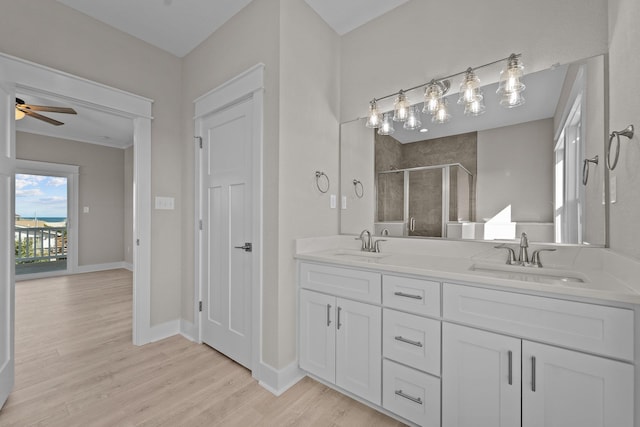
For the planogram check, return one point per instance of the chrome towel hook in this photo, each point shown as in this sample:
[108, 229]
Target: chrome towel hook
[628, 132]
[585, 168]
[320, 181]
[357, 183]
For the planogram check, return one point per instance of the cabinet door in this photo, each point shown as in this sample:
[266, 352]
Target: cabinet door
[318, 334]
[480, 378]
[359, 349]
[566, 388]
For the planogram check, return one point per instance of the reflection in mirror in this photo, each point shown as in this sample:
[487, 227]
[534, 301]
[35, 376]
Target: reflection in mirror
[491, 176]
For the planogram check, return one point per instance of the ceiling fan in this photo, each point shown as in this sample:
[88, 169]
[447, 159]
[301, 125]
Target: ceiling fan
[23, 109]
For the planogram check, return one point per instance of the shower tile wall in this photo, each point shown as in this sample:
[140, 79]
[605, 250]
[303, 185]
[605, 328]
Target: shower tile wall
[425, 188]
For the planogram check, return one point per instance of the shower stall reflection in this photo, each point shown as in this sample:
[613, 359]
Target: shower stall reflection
[420, 201]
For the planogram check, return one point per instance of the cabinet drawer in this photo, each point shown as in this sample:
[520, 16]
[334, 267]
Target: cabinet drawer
[411, 340]
[411, 394]
[342, 282]
[414, 295]
[590, 327]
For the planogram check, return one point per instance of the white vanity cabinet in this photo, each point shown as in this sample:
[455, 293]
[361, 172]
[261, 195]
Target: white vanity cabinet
[341, 339]
[490, 379]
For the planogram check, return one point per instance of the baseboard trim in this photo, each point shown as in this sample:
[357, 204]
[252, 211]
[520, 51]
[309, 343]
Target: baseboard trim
[188, 330]
[278, 381]
[128, 266]
[101, 267]
[164, 330]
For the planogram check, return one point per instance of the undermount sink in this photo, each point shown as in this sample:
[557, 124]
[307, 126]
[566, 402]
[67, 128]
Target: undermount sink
[529, 274]
[362, 255]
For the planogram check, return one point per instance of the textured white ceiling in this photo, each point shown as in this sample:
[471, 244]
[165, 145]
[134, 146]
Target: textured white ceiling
[346, 15]
[176, 26]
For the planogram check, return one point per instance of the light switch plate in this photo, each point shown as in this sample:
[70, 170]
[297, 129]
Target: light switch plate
[164, 203]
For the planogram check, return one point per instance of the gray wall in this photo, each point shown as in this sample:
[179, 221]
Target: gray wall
[101, 187]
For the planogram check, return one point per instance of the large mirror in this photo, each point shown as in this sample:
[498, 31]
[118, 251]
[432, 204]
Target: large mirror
[489, 177]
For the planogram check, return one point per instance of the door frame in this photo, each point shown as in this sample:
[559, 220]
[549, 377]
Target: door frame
[71, 172]
[19, 74]
[247, 85]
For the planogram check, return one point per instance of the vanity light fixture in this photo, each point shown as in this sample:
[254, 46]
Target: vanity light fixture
[386, 127]
[374, 119]
[413, 119]
[401, 107]
[510, 90]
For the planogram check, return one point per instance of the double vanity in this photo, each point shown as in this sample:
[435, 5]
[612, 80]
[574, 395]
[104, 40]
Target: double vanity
[445, 333]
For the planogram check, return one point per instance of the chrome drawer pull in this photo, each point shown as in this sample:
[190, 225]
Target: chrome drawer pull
[328, 314]
[403, 339]
[402, 294]
[411, 398]
[339, 310]
[533, 373]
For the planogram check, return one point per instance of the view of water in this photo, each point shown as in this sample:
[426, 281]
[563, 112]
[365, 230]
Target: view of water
[46, 218]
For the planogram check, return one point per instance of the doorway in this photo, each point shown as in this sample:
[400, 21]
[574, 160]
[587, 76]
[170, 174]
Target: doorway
[46, 200]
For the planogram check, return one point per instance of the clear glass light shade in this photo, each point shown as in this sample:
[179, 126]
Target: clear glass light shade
[401, 108]
[470, 88]
[19, 114]
[386, 127]
[432, 96]
[375, 118]
[510, 78]
[512, 100]
[413, 119]
[475, 108]
[442, 114]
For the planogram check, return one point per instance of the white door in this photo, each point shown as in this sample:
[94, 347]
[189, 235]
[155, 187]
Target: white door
[7, 164]
[563, 388]
[359, 349]
[318, 334]
[480, 378]
[227, 230]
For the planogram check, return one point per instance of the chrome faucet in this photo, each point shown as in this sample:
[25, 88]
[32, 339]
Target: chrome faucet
[511, 255]
[535, 257]
[523, 255]
[365, 236]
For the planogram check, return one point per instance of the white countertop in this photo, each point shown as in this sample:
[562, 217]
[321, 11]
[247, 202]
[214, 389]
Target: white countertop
[605, 276]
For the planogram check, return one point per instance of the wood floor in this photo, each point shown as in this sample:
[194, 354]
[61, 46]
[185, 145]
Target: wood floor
[76, 366]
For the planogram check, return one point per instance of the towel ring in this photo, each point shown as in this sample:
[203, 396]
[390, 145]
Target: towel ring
[320, 187]
[628, 132]
[585, 168]
[356, 183]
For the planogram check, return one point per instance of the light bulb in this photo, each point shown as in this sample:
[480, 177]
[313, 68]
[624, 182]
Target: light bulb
[442, 115]
[474, 108]
[511, 87]
[386, 127]
[374, 119]
[413, 119]
[469, 88]
[432, 95]
[401, 108]
[20, 114]
[511, 100]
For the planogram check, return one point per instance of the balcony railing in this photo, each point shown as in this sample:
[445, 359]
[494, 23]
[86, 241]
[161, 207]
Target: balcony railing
[40, 244]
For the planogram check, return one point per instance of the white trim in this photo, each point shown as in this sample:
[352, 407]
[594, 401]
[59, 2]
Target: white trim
[79, 270]
[128, 266]
[249, 84]
[278, 381]
[73, 138]
[71, 172]
[29, 76]
[231, 91]
[164, 330]
[188, 330]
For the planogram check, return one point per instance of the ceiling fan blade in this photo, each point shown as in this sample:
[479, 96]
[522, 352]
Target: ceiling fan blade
[44, 108]
[40, 117]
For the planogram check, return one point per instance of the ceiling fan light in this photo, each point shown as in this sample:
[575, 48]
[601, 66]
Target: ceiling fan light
[20, 114]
